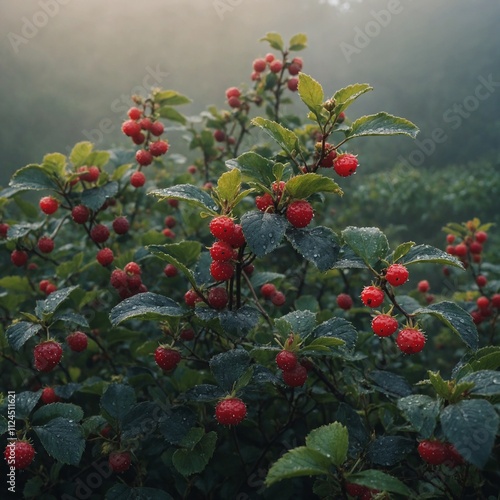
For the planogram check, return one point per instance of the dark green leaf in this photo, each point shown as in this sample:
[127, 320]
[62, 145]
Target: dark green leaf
[368, 243]
[378, 480]
[185, 252]
[301, 322]
[19, 333]
[240, 321]
[253, 167]
[427, 253]
[171, 113]
[331, 441]
[25, 402]
[175, 425]
[311, 93]
[305, 185]
[204, 393]
[141, 420]
[486, 382]
[358, 435]
[189, 193]
[229, 366]
[421, 411]
[275, 40]
[95, 198]
[71, 317]
[47, 307]
[66, 410]
[123, 492]
[263, 231]
[118, 400]
[194, 461]
[346, 96]
[338, 328]
[3, 425]
[17, 231]
[390, 383]
[382, 124]
[32, 177]
[389, 450]
[283, 136]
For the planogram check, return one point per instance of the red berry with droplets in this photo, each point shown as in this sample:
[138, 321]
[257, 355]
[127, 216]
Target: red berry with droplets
[296, 377]
[80, 214]
[397, 274]
[49, 396]
[230, 411]
[77, 341]
[221, 251]
[137, 179]
[299, 213]
[48, 205]
[372, 296]
[384, 325]
[105, 256]
[410, 340]
[217, 297]
[120, 461]
[345, 164]
[166, 358]
[47, 355]
[18, 258]
[99, 233]
[221, 271]
[131, 128]
[433, 452]
[222, 228]
[144, 157]
[286, 360]
[19, 454]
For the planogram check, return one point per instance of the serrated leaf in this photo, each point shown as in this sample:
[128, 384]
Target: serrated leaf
[305, 185]
[301, 322]
[97, 158]
[253, 167]
[228, 186]
[337, 328]
[67, 268]
[274, 39]
[298, 42]
[189, 193]
[147, 306]
[54, 163]
[62, 440]
[456, 318]
[15, 283]
[263, 231]
[311, 93]
[486, 382]
[171, 98]
[346, 96]
[32, 177]
[378, 480]
[25, 402]
[142, 419]
[239, 321]
[389, 383]
[95, 198]
[300, 461]
[185, 252]
[429, 254]
[118, 400]
[80, 152]
[204, 393]
[45, 308]
[66, 410]
[331, 440]
[175, 425]
[382, 124]
[170, 113]
[421, 411]
[283, 136]
[368, 243]
[402, 250]
[229, 366]
[20, 230]
[19, 333]
[323, 344]
[440, 386]
[189, 462]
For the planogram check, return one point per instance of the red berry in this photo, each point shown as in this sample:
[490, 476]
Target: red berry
[219, 135]
[50, 288]
[481, 280]
[294, 69]
[221, 251]
[167, 359]
[461, 250]
[267, 290]
[344, 301]
[80, 214]
[249, 269]
[432, 452]
[451, 249]
[99, 233]
[495, 300]
[47, 355]
[299, 213]
[296, 377]
[481, 236]
[278, 299]
[43, 285]
[121, 225]
[134, 282]
[423, 286]
[3, 230]
[144, 157]
[475, 247]
[298, 61]
[328, 159]
[384, 325]
[120, 461]
[170, 271]
[105, 256]
[118, 279]
[269, 58]
[230, 411]
[49, 396]
[410, 340]
[132, 268]
[170, 221]
[276, 66]
[217, 297]
[158, 148]
[131, 128]
[168, 233]
[450, 238]
[134, 113]
[341, 117]
[191, 297]
[77, 341]
[355, 490]
[259, 65]
[345, 164]
[221, 271]
[483, 302]
[265, 203]
[397, 274]
[19, 454]
[372, 296]
[234, 102]
[286, 360]
[89, 174]
[187, 334]
[232, 92]
[18, 257]
[48, 205]
[237, 239]
[145, 124]
[222, 228]
[137, 179]
[139, 139]
[173, 202]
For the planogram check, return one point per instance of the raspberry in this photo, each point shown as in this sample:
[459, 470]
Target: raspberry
[167, 232]
[89, 174]
[144, 157]
[139, 139]
[158, 148]
[187, 334]
[286, 360]
[230, 411]
[276, 66]
[293, 84]
[249, 269]
[47, 355]
[3, 230]
[267, 290]
[328, 159]
[483, 302]
[259, 65]
[481, 280]
[298, 61]
[105, 256]
[170, 271]
[344, 301]
[355, 490]
[219, 135]
[173, 202]
[372, 296]
[157, 128]
[99, 233]
[77, 341]
[118, 279]
[481, 236]
[384, 325]
[50, 288]
[341, 117]
[134, 113]
[450, 238]
[475, 247]
[265, 203]
[410, 340]
[167, 359]
[423, 286]
[222, 228]
[278, 299]
[120, 461]
[80, 214]
[294, 69]
[42, 286]
[191, 297]
[397, 274]
[221, 251]
[450, 249]
[221, 271]
[278, 189]
[432, 452]
[48, 205]
[137, 179]
[296, 377]
[299, 213]
[269, 58]
[170, 221]
[461, 250]
[121, 225]
[132, 268]
[345, 164]
[495, 300]
[18, 257]
[134, 282]
[49, 396]
[232, 92]
[234, 102]
[131, 128]
[20, 454]
[217, 297]
[145, 123]
[45, 244]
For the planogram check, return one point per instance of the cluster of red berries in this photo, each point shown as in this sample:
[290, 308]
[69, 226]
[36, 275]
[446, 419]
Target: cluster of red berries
[485, 308]
[470, 248]
[170, 222]
[344, 164]
[128, 281]
[230, 411]
[47, 287]
[270, 292]
[360, 492]
[270, 64]
[293, 371]
[436, 452]
[423, 286]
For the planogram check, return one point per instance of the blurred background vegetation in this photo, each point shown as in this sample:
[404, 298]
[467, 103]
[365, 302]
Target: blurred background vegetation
[70, 76]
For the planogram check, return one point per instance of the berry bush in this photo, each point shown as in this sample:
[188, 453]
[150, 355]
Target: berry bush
[210, 331]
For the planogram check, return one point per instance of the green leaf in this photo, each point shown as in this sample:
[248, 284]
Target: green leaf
[389, 383]
[25, 402]
[175, 426]
[229, 366]
[69, 267]
[301, 461]
[331, 440]
[263, 231]
[305, 185]
[298, 42]
[275, 40]
[337, 328]
[456, 318]
[369, 243]
[228, 186]
[440, 386]
[95, 198]
[147, 306]
[172, 114]
[62, 439]
[123, 492]
[171, 98]
[19, 333]
[421, 411]
[204, 393]
[193, 461]
[318, 245]
[323, 344]
[55, 410]
[45, 308]
[486, 382]
[118, 400]
[346, 96]
[120, 171]
[471, 426]
[402, 250]
[54, 163]
[184, 252]
[389, 450]
[142, 419]
[240, 321]
[382, 124]
[253, 167]
[311, 93]
[301, 322]
[32, 177]
[4, 426]
[378, 480]
[189, 193]
[283, 136]
[80, 152]
[429, 254]
[97, 158]
[15, 283]
[21, 230]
